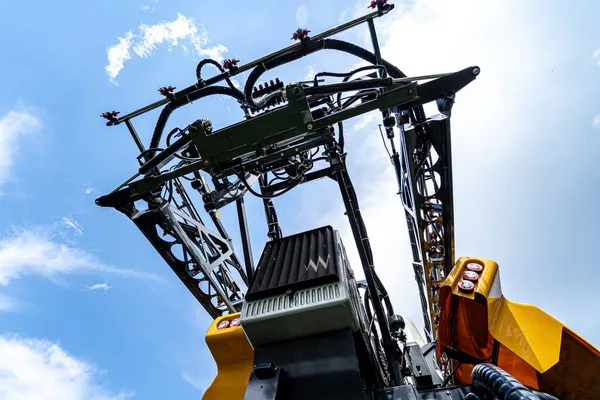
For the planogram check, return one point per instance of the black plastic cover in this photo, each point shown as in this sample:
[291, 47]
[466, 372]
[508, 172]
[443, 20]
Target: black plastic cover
[323, 366]
[296, 262]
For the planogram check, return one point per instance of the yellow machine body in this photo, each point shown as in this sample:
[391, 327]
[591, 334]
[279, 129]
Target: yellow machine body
[535, 348]
[480, 325]
[234, 357]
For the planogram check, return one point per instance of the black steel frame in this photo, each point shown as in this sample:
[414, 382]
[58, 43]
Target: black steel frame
[206, 262]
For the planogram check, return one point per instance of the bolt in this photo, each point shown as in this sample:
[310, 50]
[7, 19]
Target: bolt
[296, 150]
[476, 71]
[281, 154]
[297, 91]
[205, 162]
[309, 127]
[410, 92]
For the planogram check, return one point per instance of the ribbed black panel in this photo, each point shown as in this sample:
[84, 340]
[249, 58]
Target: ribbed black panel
[295, 262]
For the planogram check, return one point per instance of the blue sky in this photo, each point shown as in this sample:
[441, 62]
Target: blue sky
[89, 311]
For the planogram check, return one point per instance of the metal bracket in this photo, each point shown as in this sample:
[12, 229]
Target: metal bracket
[211, 251]
[263, 383]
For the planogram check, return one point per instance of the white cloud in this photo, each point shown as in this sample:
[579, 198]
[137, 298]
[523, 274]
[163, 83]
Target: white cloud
[118, 54]
[596, 122]
[34, 252]
[194, 380]
[452, 36]
[89, 190]
[596, 56]
[8, 304]
[41, 370]
[215, 52]
[72, 224]
[149, 37]
[12, 126]
[99, 286]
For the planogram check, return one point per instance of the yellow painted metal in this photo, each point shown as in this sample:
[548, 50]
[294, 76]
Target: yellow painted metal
[524, 329]
[234, 357]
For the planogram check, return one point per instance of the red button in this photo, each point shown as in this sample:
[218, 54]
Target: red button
[475, 267]
[223, 324]
[466, 286]
[235, 322]
[471, 275]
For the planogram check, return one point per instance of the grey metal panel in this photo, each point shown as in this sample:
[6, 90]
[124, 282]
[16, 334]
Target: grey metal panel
[307, 311]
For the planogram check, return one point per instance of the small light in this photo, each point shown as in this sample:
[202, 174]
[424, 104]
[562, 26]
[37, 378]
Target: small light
[235, 321]
[223, 324]
[475, 267]
[466, 286]
[470, 275]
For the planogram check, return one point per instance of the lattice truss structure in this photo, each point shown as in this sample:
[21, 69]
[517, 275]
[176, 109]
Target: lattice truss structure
[426, 193]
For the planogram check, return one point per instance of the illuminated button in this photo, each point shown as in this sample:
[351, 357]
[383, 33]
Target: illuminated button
[466, 286]
[470, 275]
[475, 267]
[235, 321]
[223, 324]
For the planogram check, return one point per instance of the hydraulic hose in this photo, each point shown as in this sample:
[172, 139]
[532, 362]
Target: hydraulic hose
[312, 47]
[277, 61]
[369, 57]
[178, 102]
[347, 75]
[202, 63]
[210, 61]
[246, 96]
[502, 385]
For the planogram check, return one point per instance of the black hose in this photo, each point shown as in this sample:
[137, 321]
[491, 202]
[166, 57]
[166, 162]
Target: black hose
[341, 140]
[170, 135]
[210, 61]
[204, 62]
[246, 96]
[500, 383]
[274, 62]
[309, 48]
[267, 196]
[347, 74]
[447, 380]
[178, 102]
[366, 55]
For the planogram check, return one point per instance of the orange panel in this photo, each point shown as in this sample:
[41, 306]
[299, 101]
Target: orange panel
[535, 348]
